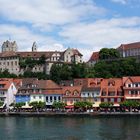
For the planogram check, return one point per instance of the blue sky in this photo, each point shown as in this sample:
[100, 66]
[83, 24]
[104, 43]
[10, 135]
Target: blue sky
[87, 25]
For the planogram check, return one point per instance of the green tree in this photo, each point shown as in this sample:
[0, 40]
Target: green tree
[1, 103]
[59, 105]
[83, 105]
[42, 60]
[19, 105]
[55, 73]
[37, 105]
[108, 53]
[106, 104]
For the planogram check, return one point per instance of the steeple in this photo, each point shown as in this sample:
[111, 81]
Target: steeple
[34, 47]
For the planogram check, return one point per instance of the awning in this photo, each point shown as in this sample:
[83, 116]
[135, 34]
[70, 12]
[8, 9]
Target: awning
[26, 107]
[69, 106]
[116, 105]
[132, 97]
[96, 104]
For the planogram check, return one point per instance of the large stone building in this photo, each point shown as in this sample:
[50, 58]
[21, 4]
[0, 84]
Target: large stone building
[130, 50]
[11, 58]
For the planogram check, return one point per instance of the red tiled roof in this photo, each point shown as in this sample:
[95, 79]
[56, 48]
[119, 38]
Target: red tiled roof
[71, 89]
[111, 84]
[94, 56]
[5, 83]
[17, 82]
[8, 54]
[134, 79]
[28, 54]
[76, 52]
[129, 46]
[36, 54]
[47, 86]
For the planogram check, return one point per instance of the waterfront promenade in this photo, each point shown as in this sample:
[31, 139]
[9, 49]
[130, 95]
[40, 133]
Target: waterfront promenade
[37, 114]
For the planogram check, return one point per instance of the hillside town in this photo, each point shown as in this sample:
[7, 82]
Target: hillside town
[95, 91]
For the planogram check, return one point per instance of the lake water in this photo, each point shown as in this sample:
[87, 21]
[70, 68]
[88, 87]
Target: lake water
[70, 128]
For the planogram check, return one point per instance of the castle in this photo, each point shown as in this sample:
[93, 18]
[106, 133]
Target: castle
[10, 58]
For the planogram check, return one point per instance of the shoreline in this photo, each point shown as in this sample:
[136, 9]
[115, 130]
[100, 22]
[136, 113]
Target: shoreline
[67, 114]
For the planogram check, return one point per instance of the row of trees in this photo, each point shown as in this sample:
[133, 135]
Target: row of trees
[82, 105]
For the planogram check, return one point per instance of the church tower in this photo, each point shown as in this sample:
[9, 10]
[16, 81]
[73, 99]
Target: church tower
[34, 47]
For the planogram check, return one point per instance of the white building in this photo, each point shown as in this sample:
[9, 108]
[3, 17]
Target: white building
[7, 91]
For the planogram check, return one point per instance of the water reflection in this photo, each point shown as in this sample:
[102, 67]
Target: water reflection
[66, 128]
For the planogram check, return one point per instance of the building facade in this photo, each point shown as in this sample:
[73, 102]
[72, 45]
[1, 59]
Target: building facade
[130, 50]
[112, 91]
[131, 87]
[91, 91]
[71, 94]
[33, 90]
[11, 59]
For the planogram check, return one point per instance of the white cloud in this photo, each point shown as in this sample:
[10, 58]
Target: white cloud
[42, 13]
[103, 33]
[25, 38]
[41, 17]
[120, 1]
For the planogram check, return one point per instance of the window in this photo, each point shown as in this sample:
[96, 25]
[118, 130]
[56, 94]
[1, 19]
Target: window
[1, 85]
[59, 98]
[71, 101]
[119, 99]
[54, 98]
[83, 94]
[16, 63]
[112, 100]
[40, 97]
[136, 85]
[129, 85]
[75, 93]
[46, 98]
[34, 97]
[51, 98]
[12, 63]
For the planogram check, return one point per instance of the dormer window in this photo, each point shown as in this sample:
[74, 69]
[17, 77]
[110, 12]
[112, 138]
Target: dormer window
[111, 83]
[75, 93]
[67, 93]
[1, 85]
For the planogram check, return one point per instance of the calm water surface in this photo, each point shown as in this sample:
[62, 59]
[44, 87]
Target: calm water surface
[70, 128]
